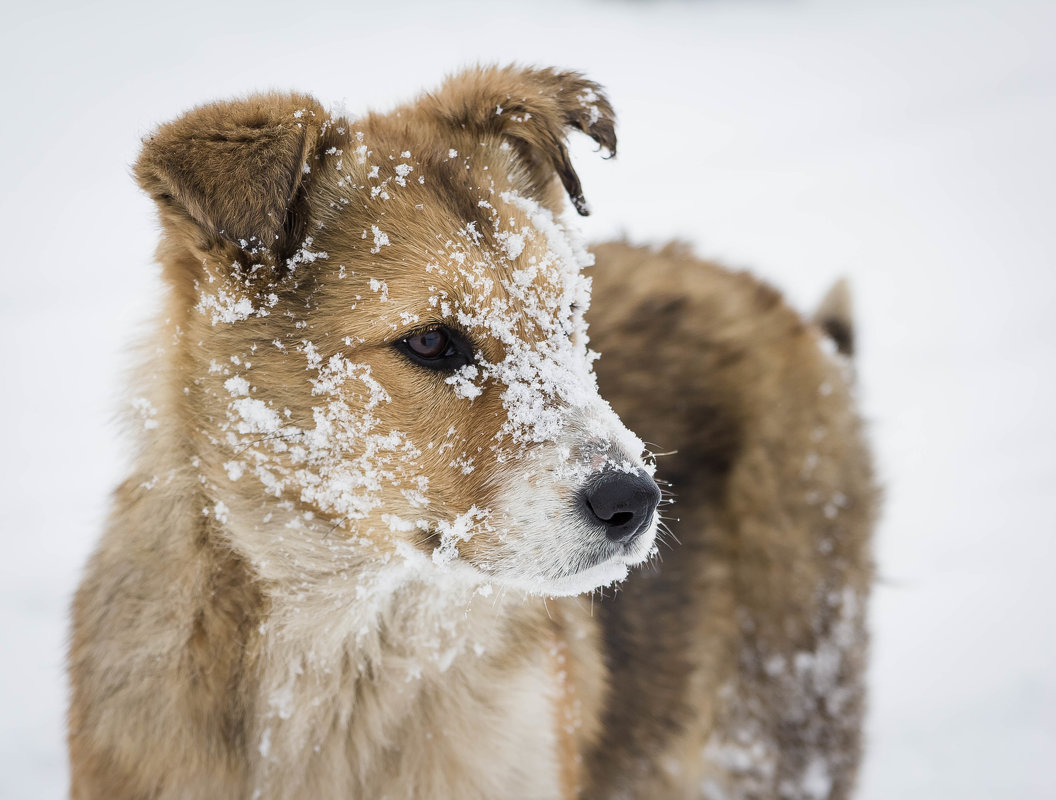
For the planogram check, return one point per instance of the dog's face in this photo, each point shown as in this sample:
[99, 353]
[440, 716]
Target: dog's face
[390, 346]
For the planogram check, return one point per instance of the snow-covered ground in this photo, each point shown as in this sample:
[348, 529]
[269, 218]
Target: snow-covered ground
[906, 143]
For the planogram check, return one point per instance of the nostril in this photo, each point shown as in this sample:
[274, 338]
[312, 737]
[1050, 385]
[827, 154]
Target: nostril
[611, 519]
[623, 502]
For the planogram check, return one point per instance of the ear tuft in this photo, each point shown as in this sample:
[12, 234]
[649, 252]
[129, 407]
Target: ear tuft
[234, 167]
[533, 109]
[835, 316]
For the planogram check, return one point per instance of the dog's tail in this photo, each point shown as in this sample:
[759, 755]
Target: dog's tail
[835, 316]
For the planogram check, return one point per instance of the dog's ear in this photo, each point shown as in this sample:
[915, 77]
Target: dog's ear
[235, 168]
[533, 110]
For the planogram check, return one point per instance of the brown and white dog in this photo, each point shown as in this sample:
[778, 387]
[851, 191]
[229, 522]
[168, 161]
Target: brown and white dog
[373, 446]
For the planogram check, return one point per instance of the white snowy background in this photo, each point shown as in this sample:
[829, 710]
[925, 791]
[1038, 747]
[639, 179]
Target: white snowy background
[909, 144]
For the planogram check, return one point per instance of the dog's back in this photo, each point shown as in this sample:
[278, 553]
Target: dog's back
[737, 660]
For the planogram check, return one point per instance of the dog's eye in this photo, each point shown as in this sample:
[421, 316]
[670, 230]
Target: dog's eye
[431, 344]
[437, 348]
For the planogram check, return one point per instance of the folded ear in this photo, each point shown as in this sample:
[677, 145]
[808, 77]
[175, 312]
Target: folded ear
[533, 109]
[235, 168]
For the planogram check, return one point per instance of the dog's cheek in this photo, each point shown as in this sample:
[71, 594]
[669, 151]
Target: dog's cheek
[530, 517]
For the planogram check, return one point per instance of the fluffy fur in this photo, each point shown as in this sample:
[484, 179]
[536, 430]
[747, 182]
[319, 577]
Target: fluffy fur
[326, 575]
[738, 658]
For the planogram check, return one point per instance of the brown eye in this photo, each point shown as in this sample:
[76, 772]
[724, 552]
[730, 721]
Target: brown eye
[438, 349]
[430, 344]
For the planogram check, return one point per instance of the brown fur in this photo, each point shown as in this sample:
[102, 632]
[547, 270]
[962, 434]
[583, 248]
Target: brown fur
[744, 645]
[217, 644]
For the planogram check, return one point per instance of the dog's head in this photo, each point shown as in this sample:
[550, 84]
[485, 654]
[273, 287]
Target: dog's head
[382, 322]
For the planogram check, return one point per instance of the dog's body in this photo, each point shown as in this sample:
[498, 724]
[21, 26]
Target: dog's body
[739, 657]
[374, 445]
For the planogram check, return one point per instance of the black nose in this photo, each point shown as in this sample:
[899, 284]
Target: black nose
[623, 502]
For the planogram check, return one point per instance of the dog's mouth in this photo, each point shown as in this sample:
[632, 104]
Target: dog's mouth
[610, 567]
[635, 550]
[584, 561]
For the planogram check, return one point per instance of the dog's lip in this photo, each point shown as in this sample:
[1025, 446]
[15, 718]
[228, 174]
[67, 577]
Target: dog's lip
[612, 566]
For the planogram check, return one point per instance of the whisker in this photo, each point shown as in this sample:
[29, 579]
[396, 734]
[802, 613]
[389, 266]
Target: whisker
[279, 435]
[332, 527]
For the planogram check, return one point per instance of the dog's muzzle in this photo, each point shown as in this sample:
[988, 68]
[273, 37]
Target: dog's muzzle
[622, 502]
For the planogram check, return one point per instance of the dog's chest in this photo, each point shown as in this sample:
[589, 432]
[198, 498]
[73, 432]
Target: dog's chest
[415, 705]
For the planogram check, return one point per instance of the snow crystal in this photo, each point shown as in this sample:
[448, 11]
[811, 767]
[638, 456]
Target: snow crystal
[225, 307]
[397, 524]
[304, 255]
[146, 410]
[376, 286]
[381, 239]
[402, 171]
[237, 385]
[512, 244]
[461, 529]
[463, 382]
[255, 417]
[589, 100]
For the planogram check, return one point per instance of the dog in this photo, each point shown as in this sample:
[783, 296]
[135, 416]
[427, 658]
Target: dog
[378, 494]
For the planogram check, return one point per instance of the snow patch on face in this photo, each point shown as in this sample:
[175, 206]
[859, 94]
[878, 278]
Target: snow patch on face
[464, 382]
[254, 417]
[546, 545]
[461, 529]
[525, 296]
[228, 303]
[528, 295]
[227, 307]
[512, 244]
[341, 462]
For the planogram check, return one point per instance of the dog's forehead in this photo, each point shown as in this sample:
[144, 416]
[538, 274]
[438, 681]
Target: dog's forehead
[442, 234]
[512, 252]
